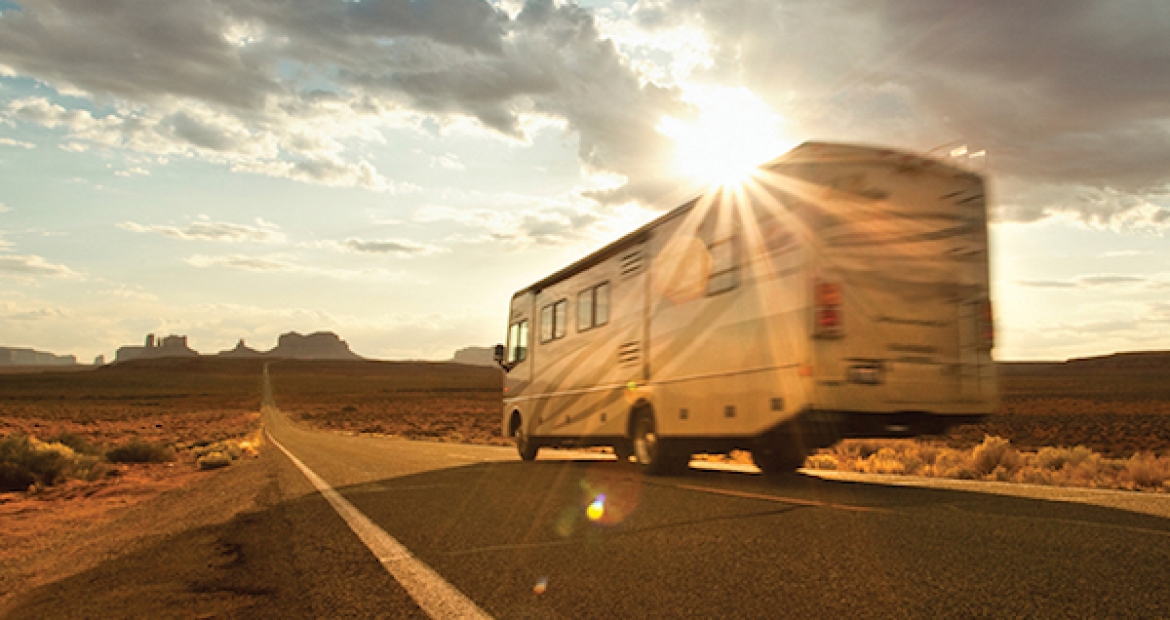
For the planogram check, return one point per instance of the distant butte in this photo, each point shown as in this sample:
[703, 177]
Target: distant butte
[315, 346]
[241, 351]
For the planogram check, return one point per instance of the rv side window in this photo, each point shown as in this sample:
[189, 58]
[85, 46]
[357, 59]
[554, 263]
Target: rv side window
[554, 318]
[601, 304]
[546, 323]
[560, 318]
[593, 307]
[585, 309]
[724, 265]
[517, 342]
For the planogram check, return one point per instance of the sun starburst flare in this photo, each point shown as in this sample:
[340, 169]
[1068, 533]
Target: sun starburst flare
[734, 132]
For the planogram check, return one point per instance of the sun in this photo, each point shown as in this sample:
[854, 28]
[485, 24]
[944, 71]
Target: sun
[735, 131]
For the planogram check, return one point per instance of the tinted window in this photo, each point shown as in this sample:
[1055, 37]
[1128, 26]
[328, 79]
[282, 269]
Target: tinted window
[546, 324]
[560, 318]
[601, 304]
[585, 309]
[517, 342]
[724, 265]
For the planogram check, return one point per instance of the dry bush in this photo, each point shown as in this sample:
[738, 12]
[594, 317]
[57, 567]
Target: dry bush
[997, 460]
[136, 451]
[26, 461]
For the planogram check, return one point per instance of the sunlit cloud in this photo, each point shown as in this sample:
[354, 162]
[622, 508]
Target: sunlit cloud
[17, 143]
[398, 247]
[32, 266]
[204, 229]
[274, 265]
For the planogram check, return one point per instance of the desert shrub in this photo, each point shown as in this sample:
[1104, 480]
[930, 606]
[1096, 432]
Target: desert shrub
[77, 443]
[821, 461]
[994, 453]
[27, 461]
[1144, 470]
[137, 451]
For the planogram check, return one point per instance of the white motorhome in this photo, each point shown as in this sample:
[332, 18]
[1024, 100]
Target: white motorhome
[841, 292]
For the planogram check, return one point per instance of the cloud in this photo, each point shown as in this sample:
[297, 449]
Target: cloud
[1107, 280]
[206, 230]
[134, 171]
[37, 314]
[271, 264]
[4, 208]
[273, 90]
[400, 247]
[1046, 283]
[11, 142]
[1089, 281]
[127, 292]
[240, 261]
[450, 161]
[30, 266]
[1062, 94]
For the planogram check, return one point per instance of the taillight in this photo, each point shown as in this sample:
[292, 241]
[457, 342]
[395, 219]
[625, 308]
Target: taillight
[987, 325]
[827, 298]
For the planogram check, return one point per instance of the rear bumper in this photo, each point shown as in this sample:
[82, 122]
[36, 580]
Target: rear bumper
[846, 424]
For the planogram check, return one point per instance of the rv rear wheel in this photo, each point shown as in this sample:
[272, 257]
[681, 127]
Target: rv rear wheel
[525, 445]
[778, 461]
[656, 456]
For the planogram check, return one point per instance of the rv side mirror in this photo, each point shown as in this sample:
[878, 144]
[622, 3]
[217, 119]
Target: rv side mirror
[499, 353]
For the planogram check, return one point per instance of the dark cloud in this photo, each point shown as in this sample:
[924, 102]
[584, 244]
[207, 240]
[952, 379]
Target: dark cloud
[1071, 93]
[248, 66]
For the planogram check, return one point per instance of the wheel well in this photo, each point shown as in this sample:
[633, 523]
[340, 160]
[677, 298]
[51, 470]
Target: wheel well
[638, 408]
[514, 423]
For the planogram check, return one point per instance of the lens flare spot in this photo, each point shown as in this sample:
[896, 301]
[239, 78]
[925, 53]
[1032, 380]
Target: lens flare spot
[596, 509]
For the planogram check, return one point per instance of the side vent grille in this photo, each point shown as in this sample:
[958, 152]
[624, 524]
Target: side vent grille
[632, 264]
[629, 352]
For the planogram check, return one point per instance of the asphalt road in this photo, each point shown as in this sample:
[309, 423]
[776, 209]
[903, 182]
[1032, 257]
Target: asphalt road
[520, 541]
[717, 544]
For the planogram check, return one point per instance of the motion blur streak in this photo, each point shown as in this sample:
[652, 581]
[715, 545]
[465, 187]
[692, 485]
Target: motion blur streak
[433, 594]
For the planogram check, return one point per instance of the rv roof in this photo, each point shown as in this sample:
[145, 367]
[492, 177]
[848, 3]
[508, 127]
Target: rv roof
[807, 152]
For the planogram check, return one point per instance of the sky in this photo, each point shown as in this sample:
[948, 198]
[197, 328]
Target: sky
[392, 170]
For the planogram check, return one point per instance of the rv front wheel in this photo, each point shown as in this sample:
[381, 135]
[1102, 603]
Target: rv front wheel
[655, 455]
[525, 445]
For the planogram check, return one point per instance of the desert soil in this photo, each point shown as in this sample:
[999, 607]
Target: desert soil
[63, 529]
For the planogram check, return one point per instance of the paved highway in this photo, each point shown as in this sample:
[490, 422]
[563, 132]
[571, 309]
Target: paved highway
[463, 530]
[534, 540]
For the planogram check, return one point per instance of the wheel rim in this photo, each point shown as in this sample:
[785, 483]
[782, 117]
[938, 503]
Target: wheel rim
[645, 441]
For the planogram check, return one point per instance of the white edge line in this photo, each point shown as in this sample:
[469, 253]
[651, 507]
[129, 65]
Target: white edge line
[437, 597]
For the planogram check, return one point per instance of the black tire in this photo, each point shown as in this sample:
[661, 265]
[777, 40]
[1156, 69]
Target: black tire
[525, 445]
[623, 450]
[778, 461]
[656, 456]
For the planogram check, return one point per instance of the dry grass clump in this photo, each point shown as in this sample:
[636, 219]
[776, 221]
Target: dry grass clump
[996, 459]
[138, 451]
[27, 462]
[221, 453]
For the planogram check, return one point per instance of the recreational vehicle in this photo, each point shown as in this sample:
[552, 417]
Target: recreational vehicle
[841, 291]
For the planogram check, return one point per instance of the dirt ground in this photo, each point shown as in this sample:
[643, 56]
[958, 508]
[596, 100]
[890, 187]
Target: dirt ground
[186, 402]
[415, 400]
